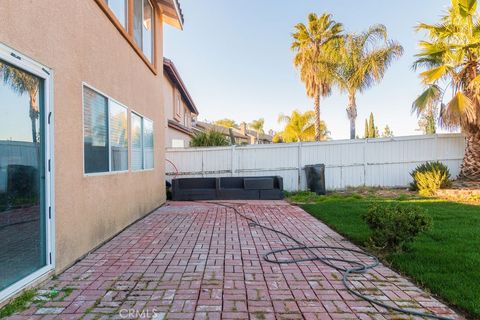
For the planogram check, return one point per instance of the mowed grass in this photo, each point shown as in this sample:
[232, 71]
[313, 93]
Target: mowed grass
[445, 260]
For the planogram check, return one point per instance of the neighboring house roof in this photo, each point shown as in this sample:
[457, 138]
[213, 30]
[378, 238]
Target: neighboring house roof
[180, 127]
[237, 133]
[209, 126]
[173, 74]
[260, 136]
[172, 12]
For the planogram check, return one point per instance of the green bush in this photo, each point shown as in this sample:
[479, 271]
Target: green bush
[429, 177]
[393, 226]
[209, 139]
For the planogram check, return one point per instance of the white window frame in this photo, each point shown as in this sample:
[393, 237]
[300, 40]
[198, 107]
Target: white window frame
[176, 143]
[143, 118]
[45, 73]
[109, 99]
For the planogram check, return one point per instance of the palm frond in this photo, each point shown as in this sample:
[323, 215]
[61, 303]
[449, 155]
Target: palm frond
[433, 75]
[428, 98]
[458, 111]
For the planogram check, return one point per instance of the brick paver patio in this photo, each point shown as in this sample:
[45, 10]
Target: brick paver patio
[201, 261]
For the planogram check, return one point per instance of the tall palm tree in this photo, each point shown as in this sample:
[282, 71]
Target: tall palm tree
[451, 58]
[300, 127]
[257, 125]
[362, 62]
[22, 82]
[313, 45]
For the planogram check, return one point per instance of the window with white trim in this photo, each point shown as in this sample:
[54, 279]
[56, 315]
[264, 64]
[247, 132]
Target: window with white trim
[142, 143]
[105, 133]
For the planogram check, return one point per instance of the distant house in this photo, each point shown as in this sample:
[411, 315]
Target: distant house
[254, 136]
[180, 110]
[242, 135]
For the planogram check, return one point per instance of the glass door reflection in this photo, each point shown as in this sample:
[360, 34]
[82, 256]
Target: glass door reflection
[22, 175]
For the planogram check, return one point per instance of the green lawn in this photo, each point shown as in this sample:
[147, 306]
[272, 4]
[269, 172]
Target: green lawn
[446, 260]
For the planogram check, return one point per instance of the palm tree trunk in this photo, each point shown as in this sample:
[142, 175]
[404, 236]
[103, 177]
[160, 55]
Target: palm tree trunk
[470, 169]
[352, 115]
[34, 113]
[318, 133]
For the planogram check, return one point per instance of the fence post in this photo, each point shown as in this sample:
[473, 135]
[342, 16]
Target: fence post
[436, 147]
[365, 162]
[203, 163]
[232, 164]
[299, 158]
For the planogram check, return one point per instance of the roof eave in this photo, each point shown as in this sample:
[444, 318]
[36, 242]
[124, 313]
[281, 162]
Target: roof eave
[174, 76]
[172, 13]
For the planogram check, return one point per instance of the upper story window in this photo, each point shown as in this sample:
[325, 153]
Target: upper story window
[120, 9]
[143, 26]
[186, 120]
[135, 19]
[178, 105]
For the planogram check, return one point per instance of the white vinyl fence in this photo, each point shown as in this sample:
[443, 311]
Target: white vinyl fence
[385, 162]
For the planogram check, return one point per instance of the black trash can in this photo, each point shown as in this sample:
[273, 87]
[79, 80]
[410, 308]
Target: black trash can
[316, 178]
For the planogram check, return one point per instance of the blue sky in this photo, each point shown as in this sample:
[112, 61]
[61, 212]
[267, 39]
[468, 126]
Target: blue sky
[235, 59]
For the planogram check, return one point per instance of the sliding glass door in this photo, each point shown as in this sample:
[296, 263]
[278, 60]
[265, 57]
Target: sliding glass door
[22, 175]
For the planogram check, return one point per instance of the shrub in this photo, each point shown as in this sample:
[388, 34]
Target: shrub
[429, 177]
[395, 225]
[209, 139]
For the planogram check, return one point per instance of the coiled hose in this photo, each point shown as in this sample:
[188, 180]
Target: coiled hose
[358, 266]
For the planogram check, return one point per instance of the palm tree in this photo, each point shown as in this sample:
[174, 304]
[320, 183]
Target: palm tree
[300, 127]
[227, 123]
[257, 125]
[313, 44]
[451, 58]
[22, 82]
[362, 62]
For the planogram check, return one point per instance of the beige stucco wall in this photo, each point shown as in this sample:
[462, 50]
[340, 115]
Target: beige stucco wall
[79, 42]
[170, 93]
[175, 134]
[168, 96]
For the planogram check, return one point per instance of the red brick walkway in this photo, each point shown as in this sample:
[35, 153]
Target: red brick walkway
[200, 261]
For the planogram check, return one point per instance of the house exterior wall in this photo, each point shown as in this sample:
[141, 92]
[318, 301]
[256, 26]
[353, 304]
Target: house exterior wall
[173, 134]
[79, 42]
[170, 93]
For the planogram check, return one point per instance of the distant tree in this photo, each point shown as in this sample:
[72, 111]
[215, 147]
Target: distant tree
[209, 139]
[301, 127]
[427, 124]
[227, 123]
[387, 132]
[312, 44]
[372, 131]
[366, 134]
[277, 138]
[257, 125]
[429, 113]
[363, 61]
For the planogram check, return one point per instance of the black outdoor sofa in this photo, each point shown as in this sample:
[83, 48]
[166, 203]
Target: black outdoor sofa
[227, 188]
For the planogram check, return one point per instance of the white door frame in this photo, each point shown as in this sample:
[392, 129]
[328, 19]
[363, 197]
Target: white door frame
[23, 62]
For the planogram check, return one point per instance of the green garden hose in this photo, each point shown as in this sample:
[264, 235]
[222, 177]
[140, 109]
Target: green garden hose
[358, 266]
